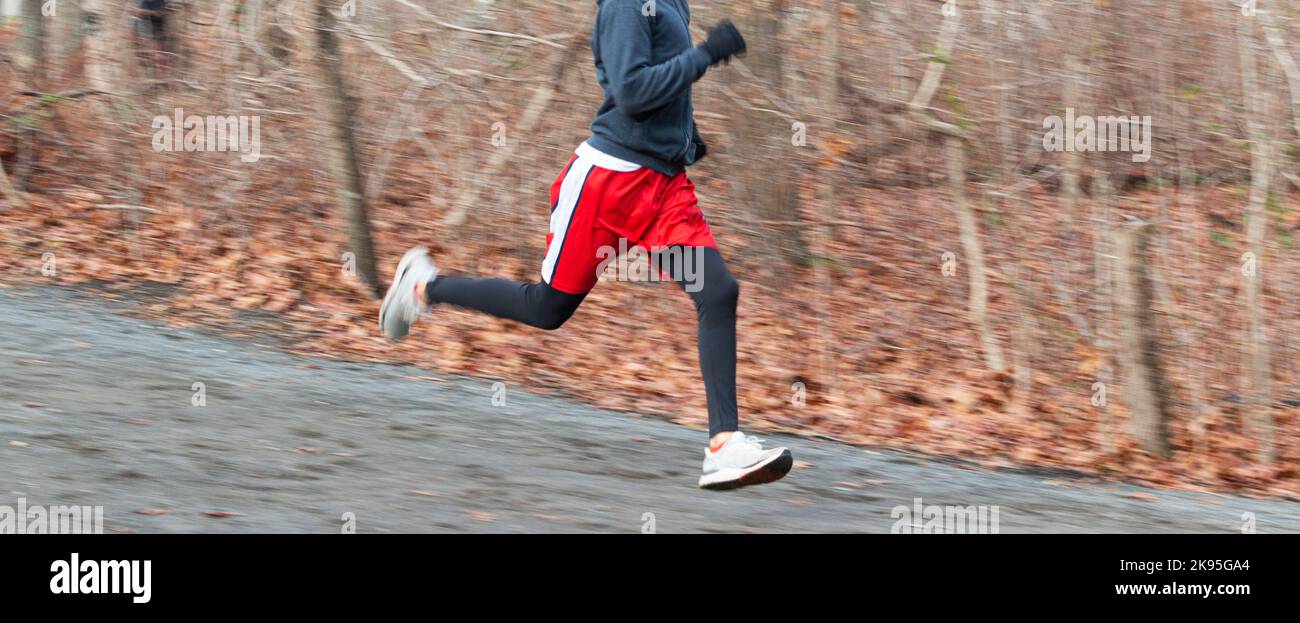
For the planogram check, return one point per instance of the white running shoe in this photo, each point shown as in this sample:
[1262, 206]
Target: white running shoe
[742, 461]
[400, 307]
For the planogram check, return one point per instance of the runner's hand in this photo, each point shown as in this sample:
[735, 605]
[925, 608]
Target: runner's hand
[724, 42]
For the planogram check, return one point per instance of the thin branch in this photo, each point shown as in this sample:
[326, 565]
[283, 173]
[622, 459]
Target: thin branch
[492, 33]
[527, 122]
[125, 206]
[383, 52]
[45, 99]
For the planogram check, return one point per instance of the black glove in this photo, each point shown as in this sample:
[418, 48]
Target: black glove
[723, 43]
[701, 148]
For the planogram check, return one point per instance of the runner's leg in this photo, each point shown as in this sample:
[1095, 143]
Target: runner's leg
[715, 293]
[534, 304]
[568, 270]
[733, 459]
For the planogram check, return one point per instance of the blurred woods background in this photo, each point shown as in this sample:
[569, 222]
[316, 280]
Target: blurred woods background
[918, 270]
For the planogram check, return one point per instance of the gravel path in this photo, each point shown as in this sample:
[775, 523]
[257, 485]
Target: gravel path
[96, 409]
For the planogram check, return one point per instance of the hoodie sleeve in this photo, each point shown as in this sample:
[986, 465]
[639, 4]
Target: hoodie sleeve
[625, 43]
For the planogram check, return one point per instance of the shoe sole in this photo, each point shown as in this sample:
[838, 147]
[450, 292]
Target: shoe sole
[402, 267]
[770, 471]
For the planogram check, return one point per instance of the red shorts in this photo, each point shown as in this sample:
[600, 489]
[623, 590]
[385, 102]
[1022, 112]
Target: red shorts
[599, 201]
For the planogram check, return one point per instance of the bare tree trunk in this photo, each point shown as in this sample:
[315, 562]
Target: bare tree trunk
[1259, 419]
[1075, 68]
[942, 55]
[345, 161]
[101, 62]
[763, 141]
[826, 197]
[1282, 53]
[33, 64]
[7, 188]
[1004, 50]
[1021, 344]
[1069, 197]
[1145, 386]
[70, 20]
[955, 157]
[955, 160]
[33, 57]
[1104, 284]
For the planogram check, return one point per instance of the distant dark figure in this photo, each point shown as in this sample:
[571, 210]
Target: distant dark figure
[154, 37]
[151, 19]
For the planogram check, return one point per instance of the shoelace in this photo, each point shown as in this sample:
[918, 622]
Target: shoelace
[753, 443]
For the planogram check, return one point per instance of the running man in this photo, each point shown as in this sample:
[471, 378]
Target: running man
[627, 184]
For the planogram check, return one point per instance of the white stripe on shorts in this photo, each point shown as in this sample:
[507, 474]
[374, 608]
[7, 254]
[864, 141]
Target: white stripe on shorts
[570, 194]
[606, 161]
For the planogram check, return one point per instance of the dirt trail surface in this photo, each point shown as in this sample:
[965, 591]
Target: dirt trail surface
[97, 409]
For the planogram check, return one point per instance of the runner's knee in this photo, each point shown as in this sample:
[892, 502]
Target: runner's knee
[721, 291]
[553, 316]
[552, 308]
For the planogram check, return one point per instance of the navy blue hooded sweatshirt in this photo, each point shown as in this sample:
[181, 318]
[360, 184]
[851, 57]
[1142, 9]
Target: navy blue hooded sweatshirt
[646, 63]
